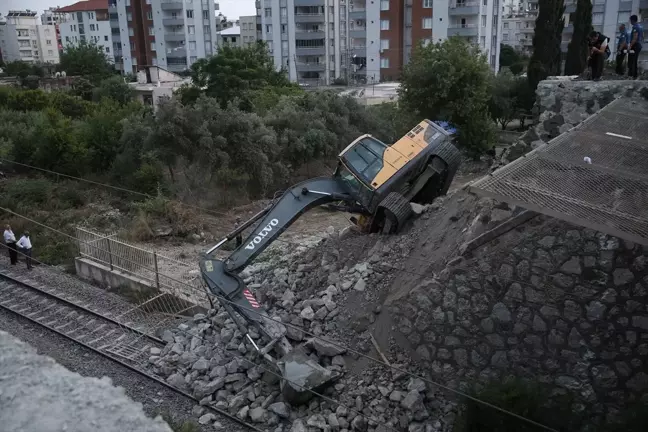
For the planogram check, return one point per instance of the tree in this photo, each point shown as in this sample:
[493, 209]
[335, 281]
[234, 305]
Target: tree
[508, 56]
[451, 81]
[546, 57]
[86, 60]
[114, 88]
[578, 48]
[234, 71]
[504, 99]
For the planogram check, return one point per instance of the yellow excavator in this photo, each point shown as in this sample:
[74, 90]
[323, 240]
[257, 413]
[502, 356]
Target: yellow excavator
[373, 180]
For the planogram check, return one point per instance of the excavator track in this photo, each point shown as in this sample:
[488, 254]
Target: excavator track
[397, 210]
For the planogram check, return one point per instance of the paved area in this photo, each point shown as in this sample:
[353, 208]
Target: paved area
[39, 395]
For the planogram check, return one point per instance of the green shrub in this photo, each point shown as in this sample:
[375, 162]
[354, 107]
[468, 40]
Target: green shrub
[28, 100]
[28, 192]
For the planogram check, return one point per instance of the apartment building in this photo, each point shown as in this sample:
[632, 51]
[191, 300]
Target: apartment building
[23, 37]
[518, 30]
[248, 26]
[368, 41]
[229, 37]
[52, 16]
[87, 22]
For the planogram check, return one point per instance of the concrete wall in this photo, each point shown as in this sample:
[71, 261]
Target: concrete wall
[113, 280]
[40, 395]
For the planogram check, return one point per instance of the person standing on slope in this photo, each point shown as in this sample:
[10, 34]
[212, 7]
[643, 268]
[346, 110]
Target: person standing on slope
[25, 244]
[10, 241]
[634, 47]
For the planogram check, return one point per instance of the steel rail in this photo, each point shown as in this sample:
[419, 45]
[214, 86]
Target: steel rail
[106, 354]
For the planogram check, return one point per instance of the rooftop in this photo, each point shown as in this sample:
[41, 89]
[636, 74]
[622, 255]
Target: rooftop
[83, 6]
[236, 30]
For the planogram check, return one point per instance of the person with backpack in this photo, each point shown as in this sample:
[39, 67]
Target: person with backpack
[599, 53]
[634, 47]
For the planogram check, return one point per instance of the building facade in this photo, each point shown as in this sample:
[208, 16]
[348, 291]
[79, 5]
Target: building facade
[366, 41]
[229, 37]
[248, 30]
[24, 38]
[87, 22]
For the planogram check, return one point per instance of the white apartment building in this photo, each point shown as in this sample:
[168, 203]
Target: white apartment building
[518, 31]
[367, 41]
[87, 21]
[24, 38]
[52, 16]
[248, 26]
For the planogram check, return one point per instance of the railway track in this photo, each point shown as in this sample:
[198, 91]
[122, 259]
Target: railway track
[122, 343]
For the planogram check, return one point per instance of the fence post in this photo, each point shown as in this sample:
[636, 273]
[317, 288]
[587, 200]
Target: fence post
[109, 254]
[157, 274]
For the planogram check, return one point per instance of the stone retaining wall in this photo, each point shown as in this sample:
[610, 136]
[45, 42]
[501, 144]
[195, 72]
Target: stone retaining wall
[561, 105]
[550, 301]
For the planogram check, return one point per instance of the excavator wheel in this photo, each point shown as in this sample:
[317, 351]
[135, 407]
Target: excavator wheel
[396, 210]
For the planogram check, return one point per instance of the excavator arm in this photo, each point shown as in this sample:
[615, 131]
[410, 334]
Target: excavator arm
[222, 277]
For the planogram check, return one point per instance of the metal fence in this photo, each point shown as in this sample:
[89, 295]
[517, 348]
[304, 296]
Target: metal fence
[145, 264]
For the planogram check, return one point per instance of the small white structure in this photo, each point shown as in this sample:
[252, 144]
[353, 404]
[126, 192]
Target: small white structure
[229, 37]
[155, 83]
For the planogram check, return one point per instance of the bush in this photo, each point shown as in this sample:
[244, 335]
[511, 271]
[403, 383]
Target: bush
[516, 68]
[27, 192]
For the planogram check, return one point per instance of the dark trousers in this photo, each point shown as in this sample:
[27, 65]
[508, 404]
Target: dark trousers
[13, 253]
[620, 67]
[596, 63]
[633, 70]
[28, 259]
[239, 240]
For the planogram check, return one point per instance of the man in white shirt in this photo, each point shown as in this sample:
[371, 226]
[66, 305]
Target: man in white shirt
[25, 244]
[10, 241]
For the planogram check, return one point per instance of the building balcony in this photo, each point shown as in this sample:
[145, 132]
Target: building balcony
[358, 50]
[529, 30]
[310, 67]
[174, 37]
[173, 21]
[309, 2]
[309, 18]
[356, 13]
[358, 32]
[463, 8]
[309, 34]
[171, 5]
[179, 52]
[625, 6]
[462, 30]
[311, 51]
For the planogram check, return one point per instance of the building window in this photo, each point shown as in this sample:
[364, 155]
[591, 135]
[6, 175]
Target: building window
[67, 38]
[482, 41]
[284, 29]
[268, 12]
[208, 46]
[132, 46]
[50, 52]
[384, 44]
[149, 15]
[129, 16]
[107, 50]
[284, 46]
[506, 25]
[268, 28]
[205, 14]
[191, 29]
[384, 63]
[189, 13]
[151, 31]
[427, 23]
[206, 32]
[505, 36]
[384, 24]
[131, 32]
[48, 42]
[485, 2]
[105, 38]
[384, 5]
[192, 46]
[92, 27]
[517, 25]
[427, 4]
[483, 20]
[597, 18]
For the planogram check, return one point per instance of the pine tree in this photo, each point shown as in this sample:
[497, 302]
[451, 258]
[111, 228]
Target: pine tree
[578, 47]
[545, 60]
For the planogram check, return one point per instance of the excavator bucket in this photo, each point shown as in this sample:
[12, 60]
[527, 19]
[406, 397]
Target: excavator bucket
[300, 374]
